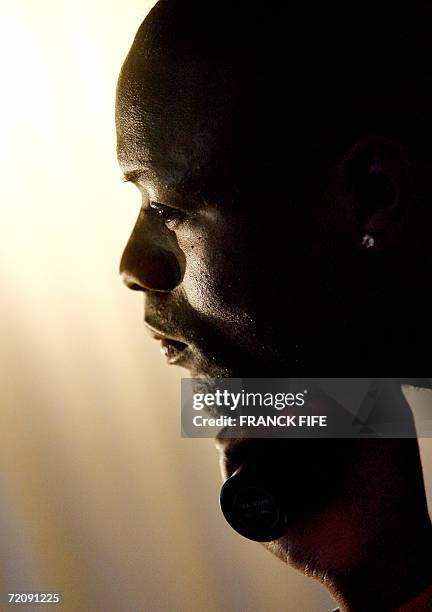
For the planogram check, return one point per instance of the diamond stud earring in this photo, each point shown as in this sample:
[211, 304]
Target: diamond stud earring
[368, 241]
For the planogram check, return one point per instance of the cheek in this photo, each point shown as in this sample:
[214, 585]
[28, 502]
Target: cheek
[216, 282]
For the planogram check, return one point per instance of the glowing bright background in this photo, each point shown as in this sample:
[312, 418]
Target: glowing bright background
[100, 498]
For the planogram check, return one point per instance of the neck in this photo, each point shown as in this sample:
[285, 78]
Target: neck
[396, 567]
[392, 578]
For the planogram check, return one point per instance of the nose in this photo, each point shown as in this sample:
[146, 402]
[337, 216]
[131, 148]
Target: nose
[151, 260]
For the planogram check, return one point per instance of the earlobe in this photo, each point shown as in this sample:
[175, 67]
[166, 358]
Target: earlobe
[374, 172]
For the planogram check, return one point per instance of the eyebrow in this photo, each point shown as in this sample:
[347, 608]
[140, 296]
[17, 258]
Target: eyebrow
[188, 186]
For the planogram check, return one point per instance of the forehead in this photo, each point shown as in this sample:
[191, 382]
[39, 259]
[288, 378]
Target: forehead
[237, 120]
[171, 116]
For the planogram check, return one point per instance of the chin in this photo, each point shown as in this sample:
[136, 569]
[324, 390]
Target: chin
[208, 365]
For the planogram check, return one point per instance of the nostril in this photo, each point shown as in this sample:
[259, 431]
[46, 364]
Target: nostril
[135, 287]
[155, 270]
[131, 282]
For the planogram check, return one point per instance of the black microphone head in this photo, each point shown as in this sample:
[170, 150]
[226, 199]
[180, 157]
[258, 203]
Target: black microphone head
[253, 507]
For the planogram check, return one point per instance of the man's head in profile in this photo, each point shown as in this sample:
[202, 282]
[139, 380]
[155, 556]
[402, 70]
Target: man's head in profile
[284, 157]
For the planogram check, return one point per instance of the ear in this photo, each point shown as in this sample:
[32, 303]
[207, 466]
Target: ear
[374, 174]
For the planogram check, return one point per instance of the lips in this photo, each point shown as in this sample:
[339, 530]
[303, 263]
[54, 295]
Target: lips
[173, 349]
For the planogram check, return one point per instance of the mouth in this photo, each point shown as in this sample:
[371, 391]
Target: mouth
[174, 350]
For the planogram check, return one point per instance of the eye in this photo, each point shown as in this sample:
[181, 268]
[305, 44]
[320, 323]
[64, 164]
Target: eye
[170, 216]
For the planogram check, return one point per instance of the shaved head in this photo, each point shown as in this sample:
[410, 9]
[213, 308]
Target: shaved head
[363, 67]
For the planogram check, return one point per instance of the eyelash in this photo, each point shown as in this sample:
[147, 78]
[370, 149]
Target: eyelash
[168, 214]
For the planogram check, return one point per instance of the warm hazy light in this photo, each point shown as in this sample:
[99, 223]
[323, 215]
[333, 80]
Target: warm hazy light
[100, 497]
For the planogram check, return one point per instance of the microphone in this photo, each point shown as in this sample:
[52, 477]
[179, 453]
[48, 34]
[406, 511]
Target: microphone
[254, 506]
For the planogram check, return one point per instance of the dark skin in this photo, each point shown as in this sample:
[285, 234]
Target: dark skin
[249, 249]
